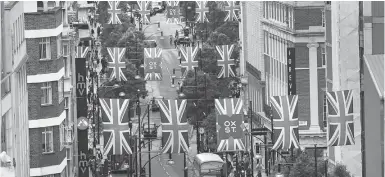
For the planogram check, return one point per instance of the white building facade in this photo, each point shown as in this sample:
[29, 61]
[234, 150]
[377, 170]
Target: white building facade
[14, 94]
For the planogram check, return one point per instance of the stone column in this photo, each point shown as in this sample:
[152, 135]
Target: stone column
[313, 80]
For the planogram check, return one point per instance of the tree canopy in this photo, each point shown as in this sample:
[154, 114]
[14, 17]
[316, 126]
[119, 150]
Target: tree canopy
[205, 86]
[304, 165]
[126, 36]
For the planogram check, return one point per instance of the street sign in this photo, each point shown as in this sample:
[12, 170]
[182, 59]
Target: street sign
[259, 131]
[82, 123]
[201, 130]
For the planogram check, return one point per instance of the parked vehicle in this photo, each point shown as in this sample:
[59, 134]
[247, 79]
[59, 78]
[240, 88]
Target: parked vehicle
[150, 43]
[155, 107]
[150, 132]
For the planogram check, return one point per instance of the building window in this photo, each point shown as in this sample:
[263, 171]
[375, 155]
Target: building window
[66, 103]
[60, 89]
[325, 111]
[51, 4]
[323, 18]
[47, 140]
[265, 9]
[266, 42]
[5, 86]
[323, 53]
[4, 132]
[40, 6]
[65, 50]
[59, 46]
[45, 48]
[47, 93]
[62, 136]
[68, 153]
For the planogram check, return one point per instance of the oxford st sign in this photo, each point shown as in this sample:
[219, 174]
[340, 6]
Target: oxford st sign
[291, 80]
[82, 122]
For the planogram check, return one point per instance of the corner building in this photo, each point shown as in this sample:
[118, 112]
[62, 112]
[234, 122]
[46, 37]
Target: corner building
[14, 95]
[48, 69]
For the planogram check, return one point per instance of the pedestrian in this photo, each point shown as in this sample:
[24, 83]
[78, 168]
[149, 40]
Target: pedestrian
[175, 41]
[170, 39]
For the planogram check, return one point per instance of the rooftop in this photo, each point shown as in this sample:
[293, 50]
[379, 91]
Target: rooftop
[208, 157]
[375, 64]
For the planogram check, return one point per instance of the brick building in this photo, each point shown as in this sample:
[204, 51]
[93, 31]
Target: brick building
[14, 95]
[309, 43]
[48, 40]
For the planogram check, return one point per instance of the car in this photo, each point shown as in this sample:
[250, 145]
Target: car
[150, 132]
[155, 107]
[150, 43]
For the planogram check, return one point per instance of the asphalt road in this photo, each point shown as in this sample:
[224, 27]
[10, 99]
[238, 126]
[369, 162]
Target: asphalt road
[157, 89]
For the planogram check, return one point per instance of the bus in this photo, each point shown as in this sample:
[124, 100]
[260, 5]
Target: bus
[208, 165]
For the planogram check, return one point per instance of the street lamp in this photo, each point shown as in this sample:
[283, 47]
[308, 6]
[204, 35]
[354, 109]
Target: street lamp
[122, 94]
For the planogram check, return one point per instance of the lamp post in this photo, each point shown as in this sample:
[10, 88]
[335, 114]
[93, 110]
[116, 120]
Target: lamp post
[140, 138]
[149, 146]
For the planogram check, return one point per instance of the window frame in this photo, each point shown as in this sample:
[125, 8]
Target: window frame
[325, 110]
[59, 46]
[323, 18]
[47, 130]
[66, 102]
[62, 135]
[47, 42]
[65, 49]
[60, 89]
[48, 86]
[323, 56]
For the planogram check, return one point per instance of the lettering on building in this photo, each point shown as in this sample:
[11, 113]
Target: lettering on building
[291, 80]
[83, 162]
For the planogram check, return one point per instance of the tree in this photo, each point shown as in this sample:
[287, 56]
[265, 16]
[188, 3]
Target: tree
[204, 84]
[124, 35]
[340, 171]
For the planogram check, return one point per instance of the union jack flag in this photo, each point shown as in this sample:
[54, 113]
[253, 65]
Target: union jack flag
[115, 126]
[81, 51]
[201, 12]
[116, 63]
[143, 11]
[225, 62]
[340, 118]
[188, 63]
[232, 11]
[230, 115]
[173, 15]
[114, 11]
[285, 121]
[174, 126]
[152, 64]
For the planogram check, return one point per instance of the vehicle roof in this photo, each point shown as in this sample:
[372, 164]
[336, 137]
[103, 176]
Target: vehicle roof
[208, 157]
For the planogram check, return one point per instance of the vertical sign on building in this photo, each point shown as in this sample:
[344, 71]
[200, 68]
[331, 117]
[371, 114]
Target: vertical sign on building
[82, 122]
[291, 80]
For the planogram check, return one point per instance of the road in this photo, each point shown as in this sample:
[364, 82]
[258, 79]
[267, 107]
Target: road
[157, 89]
